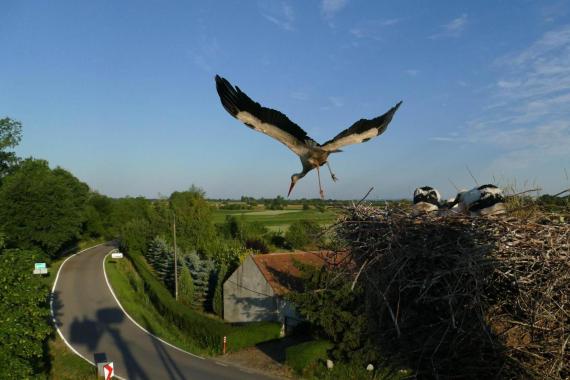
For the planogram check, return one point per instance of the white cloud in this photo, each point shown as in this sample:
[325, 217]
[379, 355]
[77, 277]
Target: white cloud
[529, 112]
[280, 14]
[300, 95]
[205, 53]
[336, 101]
[373, 28]
[332, 7]
[454, 28]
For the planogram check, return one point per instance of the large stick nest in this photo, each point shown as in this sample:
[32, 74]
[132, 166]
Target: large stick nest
[459, 297]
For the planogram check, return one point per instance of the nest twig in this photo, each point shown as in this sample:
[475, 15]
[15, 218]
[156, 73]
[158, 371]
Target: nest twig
[459, 297]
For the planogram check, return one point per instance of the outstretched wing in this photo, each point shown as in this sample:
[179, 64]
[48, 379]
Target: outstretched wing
[361, 131]
[271, 122]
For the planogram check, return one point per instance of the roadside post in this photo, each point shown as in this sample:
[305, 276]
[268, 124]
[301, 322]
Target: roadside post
[224, 347]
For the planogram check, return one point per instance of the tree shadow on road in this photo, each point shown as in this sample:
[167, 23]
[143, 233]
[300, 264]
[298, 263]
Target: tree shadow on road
[88, 333]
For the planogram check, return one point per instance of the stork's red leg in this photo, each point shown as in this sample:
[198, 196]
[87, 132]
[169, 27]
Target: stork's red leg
[334, 178]
[320, 187]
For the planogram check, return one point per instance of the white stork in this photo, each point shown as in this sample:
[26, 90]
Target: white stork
[426, 199]
[483, 200]
[275, 124]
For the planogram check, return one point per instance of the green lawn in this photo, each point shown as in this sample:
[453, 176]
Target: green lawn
[301, 356]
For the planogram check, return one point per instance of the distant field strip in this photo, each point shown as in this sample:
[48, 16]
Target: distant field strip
[277, 218]
[266, 212]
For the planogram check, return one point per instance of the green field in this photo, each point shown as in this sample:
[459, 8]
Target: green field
[278, 219]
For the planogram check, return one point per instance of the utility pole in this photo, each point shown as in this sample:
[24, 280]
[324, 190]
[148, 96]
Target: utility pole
[175, 257]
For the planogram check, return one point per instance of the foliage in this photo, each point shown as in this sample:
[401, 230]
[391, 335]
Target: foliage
[302, 233]
[98, 221]
[205, 332]
[24, 312]
[161, 258]
[277, 203]
[193, 219]
[333, 308]
[135, 235]
[203, 273]
[218, 292]
[185, 286]
[40, 207]
[303, 355]
[10, 136]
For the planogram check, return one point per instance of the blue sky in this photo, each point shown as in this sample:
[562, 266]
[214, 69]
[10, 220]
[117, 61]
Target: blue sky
[122, 93]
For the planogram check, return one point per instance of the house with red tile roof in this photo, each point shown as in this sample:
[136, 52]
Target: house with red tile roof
[254, 292]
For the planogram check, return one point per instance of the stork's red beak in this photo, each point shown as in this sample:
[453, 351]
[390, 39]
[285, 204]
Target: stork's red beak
[291, 188]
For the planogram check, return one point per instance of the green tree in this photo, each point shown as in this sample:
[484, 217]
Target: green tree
[301, 233]
[218, 302]
[24, 315]
[194, 226]
[10, 136]
[185, 286]
[40, 207]
[336, 310]
[135, 235]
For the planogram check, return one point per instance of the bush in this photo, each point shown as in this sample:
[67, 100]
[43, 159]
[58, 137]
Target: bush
[218, 292]
[206, 332]
[24, 315]
[302, 233]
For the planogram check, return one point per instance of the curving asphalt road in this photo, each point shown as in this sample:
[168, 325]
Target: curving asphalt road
[93, 324]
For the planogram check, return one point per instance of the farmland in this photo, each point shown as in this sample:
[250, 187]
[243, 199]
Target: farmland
[278, 220]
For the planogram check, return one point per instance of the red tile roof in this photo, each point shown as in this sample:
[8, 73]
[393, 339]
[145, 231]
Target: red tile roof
[282, 274]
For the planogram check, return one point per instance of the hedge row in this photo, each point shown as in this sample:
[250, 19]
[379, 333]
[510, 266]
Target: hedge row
[206, 332]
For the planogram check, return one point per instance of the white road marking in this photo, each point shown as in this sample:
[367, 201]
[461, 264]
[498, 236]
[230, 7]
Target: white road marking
[53, 314]
[135, 322]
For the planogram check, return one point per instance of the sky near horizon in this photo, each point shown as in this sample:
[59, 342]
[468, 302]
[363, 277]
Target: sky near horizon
[122, 93]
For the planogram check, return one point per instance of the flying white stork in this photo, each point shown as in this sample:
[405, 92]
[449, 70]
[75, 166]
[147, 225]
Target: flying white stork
[275, 124]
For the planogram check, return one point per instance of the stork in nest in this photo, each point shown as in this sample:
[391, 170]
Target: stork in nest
[275, 124]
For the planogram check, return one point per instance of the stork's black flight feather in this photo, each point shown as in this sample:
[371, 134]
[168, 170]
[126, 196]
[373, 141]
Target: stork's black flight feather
[262, 119]
[361, 131]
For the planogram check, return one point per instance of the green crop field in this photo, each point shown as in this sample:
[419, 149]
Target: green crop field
[278, 219]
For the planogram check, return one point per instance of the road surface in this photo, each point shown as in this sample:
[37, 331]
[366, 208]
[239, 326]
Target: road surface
[91, 321]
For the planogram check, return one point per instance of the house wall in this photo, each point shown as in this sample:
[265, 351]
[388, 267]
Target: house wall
[248, 296]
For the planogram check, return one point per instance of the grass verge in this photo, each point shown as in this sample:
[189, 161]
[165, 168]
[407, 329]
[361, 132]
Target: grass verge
[302, 355]
[65, 365]
[140, 293]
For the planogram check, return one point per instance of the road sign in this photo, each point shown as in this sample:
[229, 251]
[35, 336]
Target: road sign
[40, 266]
[41, 271]
[116, 255]
[108, 371]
